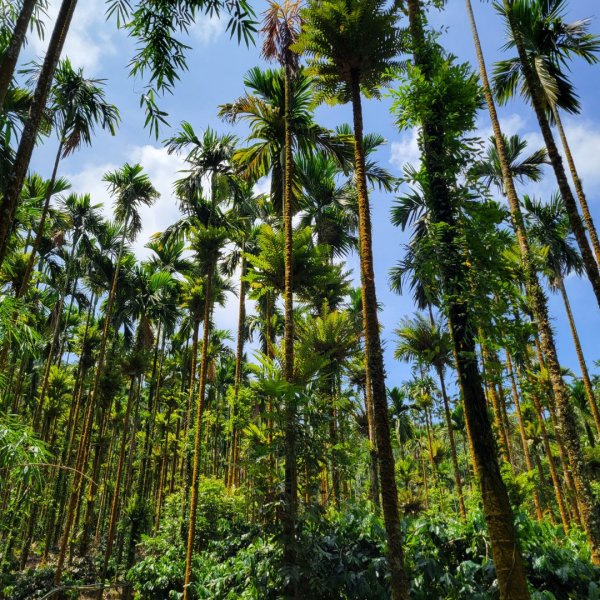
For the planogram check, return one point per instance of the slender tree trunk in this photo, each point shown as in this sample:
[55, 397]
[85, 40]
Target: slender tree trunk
[498, 420]
[457, 482]
[512, 581]
[553, 474]
[16, 177]
[239, 357]
[374, 363]
[198, 425]
[291, 467]
[117, 486]
[585, 375]
[522, 434]
[537, 101]
[188, 414]
[11, 55]
[590, 511]
[374, 460]
[585, 210]
[78, 478]
[40, 232]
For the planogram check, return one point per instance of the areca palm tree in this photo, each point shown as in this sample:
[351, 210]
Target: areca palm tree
[353, 47]
[77, 105]
[426, 342]
[10, 54]
[522, 167]
[131, 189]
[207, 244]
[553, 43]
[333, 336]
[18, 172]
[439, 172]
[537, 299]
[549, 227]
[543, 44]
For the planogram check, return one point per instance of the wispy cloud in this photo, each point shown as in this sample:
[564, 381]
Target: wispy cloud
[89, 39]
[207, 29]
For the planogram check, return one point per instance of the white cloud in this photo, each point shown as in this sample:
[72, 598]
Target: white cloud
[263, 186]
[161, 167]
[207, 29]
[584, 141]
[89, 37]
[406, 150]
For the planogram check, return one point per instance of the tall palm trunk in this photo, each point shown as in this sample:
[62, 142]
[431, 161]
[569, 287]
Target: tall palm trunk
[188, 412]
[117, 486]
[537, 101]
[153, 395]
[522, 434]
[585, 375]
[457, 482]
[510, 570]
[198, 425]
[78, 478]
[239, 357]
[374, 362]
[553, 474]
[16, 176]
[40, 232]
[585, 209]
[11, 55]
[568, 427]
[496, 406]
[374, 488]
[291, 467]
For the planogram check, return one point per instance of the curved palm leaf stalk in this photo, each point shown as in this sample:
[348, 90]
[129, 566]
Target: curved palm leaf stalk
[537, 100]
[590, 510]
[8, 205]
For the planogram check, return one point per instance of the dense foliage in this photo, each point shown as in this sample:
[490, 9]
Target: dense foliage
[146, 452]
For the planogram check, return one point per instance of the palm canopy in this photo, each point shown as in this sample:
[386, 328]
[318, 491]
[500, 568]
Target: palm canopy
[281, 28]
[314, 273]
[550, 43]
[263, 108]
[326, 204]
[209, 157]
[85, 218]
[131, 188]
[77, 105]
[423, 341]
[548, 225]
[351, 42]
[522, 167]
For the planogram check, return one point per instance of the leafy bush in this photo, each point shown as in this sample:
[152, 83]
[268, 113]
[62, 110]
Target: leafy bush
[160, 573]
[36, 583]
[340, 556]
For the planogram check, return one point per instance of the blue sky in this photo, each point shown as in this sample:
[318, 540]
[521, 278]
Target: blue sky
[216, 69]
